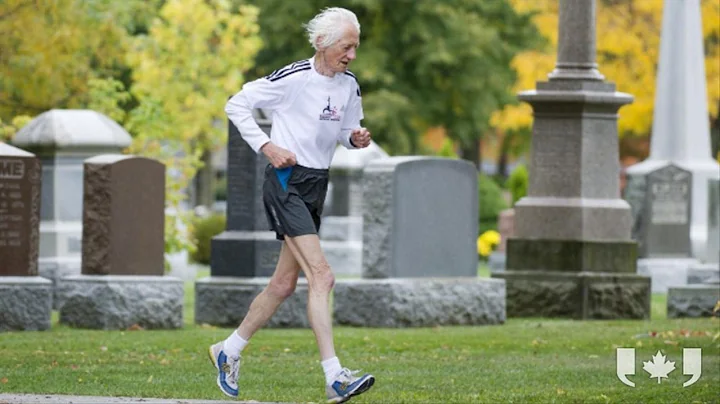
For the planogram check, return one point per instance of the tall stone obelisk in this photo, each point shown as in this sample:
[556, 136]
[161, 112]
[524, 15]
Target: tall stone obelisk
[572, 254]
[681, 127]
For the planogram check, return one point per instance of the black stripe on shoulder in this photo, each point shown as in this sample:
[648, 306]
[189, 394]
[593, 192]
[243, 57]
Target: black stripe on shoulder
[288, 73]
[292, 66]
[349, 73]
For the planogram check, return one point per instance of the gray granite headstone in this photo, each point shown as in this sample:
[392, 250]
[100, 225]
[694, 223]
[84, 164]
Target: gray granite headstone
[681, 128]
[63, 139]
[713, 244]
[420, 218]
[247, 248]
[25, 298]
[341, 229]
[420, 225]
[664, 228]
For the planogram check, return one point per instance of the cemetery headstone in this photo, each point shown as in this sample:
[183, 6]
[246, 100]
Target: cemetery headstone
[244, 256]
[506, 228]
[701, 294]
[681, 130]
[25, 298]
[420, 224]
[122, 282]
[63, 139]
[341, 230]
[572, 249]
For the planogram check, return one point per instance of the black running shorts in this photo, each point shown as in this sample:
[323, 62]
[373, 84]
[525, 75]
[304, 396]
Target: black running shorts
[294, 198]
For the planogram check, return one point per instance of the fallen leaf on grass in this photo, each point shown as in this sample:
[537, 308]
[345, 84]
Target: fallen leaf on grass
[560, 392]
[4, 380]
[135, 327]
[103, 348]
[286, 350]
[673, 343]
[149, 380]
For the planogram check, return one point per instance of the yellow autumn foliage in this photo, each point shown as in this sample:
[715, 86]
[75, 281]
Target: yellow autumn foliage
[628, 45]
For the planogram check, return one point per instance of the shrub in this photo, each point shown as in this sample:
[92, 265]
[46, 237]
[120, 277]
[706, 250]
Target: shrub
[203, 230]
[517, 183]
[491, 203]
[221, 189]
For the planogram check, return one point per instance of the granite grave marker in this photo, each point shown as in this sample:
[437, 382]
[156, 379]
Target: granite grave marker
[122, 282]
[25, 298]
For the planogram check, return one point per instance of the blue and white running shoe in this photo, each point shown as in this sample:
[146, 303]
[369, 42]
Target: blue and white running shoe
[228, 368]
[347, 385]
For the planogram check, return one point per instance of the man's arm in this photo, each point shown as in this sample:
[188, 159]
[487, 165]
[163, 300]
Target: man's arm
[351, 121]
[261, 93]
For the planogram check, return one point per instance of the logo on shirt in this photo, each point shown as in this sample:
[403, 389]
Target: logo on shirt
[330, 113]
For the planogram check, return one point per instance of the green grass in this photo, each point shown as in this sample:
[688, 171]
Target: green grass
[522, 361]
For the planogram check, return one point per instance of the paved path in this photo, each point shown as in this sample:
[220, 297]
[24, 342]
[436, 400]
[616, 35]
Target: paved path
[61, 399]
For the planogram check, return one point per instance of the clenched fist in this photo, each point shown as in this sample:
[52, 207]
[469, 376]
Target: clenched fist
[360, 137]
[279, 157]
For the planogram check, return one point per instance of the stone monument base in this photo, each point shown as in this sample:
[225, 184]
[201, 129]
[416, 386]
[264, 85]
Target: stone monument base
[693, 301]
[116, 302]
[25, 303]
[665, 272]
[704, 273]
[224, 301]
[496, 261]
[56, 268]
[576, 295]
[342, 228]
[344, 257]
[419, 302]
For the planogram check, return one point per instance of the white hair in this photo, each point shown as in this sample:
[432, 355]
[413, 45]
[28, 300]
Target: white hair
[328, 26]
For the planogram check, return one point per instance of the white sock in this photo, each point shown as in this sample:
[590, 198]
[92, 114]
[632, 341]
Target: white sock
[332, 368]
[234, 344]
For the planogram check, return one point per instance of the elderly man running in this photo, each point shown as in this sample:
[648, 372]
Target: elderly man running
[316, 103]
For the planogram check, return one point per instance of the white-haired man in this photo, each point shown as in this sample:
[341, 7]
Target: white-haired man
[316, 103]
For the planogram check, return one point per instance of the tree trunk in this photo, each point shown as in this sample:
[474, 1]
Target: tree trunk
[204, 182]
[502, 163]
[471, 152]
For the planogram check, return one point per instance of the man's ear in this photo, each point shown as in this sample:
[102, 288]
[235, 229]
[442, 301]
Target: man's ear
[318, 41]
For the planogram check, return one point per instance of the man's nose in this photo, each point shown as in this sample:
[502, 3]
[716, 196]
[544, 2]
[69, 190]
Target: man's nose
[352, 54]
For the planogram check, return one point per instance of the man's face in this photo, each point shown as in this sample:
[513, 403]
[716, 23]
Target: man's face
[339, 55]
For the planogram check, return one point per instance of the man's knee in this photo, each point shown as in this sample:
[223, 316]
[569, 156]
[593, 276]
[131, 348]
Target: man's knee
[322, 278]
[281, 288]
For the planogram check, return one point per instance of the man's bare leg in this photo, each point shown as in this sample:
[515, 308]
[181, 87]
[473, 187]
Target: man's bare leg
[281, 286]
[321, 280]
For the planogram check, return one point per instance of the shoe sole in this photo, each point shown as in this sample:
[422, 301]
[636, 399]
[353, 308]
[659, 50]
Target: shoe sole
[359, 390]
[213, 360]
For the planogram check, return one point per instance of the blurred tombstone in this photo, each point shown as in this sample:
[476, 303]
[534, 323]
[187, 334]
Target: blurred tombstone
[122, 282]
[63, 139]
[342, 222]
[25, 297]
[420, 259]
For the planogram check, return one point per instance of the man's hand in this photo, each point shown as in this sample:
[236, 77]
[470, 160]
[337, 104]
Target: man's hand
[279, 157]
[360, 137]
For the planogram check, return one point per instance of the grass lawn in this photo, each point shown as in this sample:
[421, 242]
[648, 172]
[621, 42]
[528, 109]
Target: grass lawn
[522, 361]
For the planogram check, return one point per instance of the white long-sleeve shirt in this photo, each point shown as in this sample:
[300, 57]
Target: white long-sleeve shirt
[311, 112]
